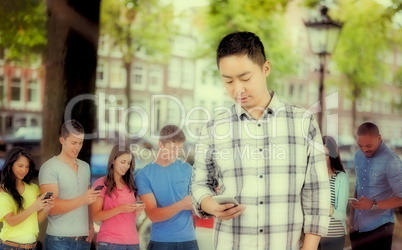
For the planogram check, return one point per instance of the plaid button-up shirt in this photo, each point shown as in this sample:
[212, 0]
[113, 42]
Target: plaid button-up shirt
[275, 166]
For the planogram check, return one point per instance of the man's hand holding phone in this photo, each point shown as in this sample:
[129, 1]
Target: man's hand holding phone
[90, 196]
[226, 208]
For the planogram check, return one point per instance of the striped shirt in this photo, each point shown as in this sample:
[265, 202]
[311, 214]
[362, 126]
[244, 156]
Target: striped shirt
[275, 166]
[335, 228]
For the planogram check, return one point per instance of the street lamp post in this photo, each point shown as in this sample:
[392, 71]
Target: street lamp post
[323, 33]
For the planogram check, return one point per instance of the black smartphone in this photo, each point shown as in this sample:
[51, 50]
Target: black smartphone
[48, 195]
[99, 187]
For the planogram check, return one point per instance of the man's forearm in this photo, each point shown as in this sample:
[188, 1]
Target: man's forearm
[390, 203]
[163, 213]
[311, 242]
[65, 206]
[206, 205]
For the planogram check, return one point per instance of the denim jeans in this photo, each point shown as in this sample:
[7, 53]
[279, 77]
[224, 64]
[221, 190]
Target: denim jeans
[331, 243]
[65, 243]
[379, 238]
[187, 245]
[110, 246]
[7, 247]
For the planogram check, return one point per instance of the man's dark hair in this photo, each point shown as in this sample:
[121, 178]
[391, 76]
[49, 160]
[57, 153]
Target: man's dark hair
[171, 133]
[242, 43]
[71, 127]
[368, 128]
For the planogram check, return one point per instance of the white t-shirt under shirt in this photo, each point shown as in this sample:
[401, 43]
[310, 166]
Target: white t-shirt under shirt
[71, 185]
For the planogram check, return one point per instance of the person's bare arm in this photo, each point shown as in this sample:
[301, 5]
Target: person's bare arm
[15, 219]
[100, 215]
[42, 214]
[311, 242]
[156, 214]
[64, 206]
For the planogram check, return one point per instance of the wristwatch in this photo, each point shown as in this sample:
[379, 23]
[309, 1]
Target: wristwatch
[375, 205]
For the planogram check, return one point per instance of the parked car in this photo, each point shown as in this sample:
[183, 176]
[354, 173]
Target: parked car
[27, 137]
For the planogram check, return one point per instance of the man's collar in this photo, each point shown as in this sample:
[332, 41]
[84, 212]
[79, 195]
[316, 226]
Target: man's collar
[273, 105]
[379, 149]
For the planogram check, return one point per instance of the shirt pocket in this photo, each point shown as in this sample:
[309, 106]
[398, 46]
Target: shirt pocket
[182, 187]
[377, 177]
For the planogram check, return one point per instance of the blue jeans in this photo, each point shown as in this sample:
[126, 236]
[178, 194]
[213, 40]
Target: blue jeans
[186, 245]
[379, 238]
[7, 247]
[65, 243]
[331, 243]
[110, 246]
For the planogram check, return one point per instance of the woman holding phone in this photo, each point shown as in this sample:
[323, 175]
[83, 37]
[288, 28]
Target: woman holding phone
[116, 206]
[21, 208]
[339, 187]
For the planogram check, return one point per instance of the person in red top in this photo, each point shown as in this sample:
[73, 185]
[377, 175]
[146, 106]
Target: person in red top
[116, 206]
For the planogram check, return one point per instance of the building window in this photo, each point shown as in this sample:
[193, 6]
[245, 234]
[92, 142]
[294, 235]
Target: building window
[302, 94]
[117, 79]
[99, 72]
[346, 103]
[188, 74]
[33, 91]
[291, 91]
[138, 75]
[174, 78]
[34, 122]
[16, 90]
[155, 78]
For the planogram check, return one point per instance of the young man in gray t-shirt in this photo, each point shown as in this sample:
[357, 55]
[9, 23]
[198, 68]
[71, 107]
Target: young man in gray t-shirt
[68, 178]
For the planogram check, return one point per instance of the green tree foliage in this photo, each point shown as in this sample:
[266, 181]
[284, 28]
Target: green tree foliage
[135, 25]
[22, 28]
[367, 35]
[264, 18]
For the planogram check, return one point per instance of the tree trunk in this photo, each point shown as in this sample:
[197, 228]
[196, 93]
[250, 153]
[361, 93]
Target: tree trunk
[356, 94]
[73, 32]
[127, 66]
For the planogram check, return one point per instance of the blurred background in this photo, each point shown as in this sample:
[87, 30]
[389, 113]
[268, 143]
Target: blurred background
[126, 68]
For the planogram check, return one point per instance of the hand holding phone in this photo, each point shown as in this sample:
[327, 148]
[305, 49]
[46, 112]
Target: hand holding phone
[99, 187]
[225, 199]
[352, 199]
[48, 195]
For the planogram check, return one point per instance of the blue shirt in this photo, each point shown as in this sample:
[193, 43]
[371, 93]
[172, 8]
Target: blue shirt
[378, 177]
[169, 185]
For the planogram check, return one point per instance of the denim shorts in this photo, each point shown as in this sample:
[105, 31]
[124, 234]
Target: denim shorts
[110, 246]
[65, 243]
[187, 245]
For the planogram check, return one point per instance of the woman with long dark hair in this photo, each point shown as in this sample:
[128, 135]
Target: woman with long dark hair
[116, 206]
[21, 209]
[339, 187]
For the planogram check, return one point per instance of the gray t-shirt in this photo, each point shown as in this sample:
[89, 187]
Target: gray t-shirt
[71, 186]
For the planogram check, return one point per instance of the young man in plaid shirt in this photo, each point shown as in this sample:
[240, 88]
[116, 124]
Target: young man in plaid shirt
[265, 153]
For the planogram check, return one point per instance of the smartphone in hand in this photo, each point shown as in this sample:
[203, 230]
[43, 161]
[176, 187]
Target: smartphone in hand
[225, 199]
[47, 195]
[352, 199]
[99, 187]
